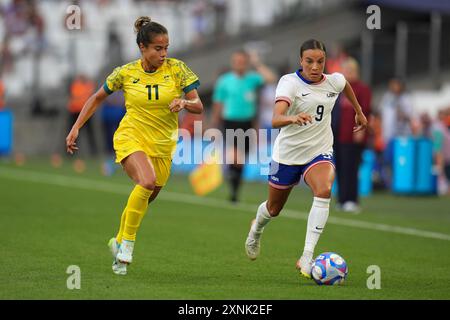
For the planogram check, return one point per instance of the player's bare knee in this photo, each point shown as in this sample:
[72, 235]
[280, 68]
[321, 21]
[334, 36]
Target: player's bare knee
[148, 183]
[323, 192]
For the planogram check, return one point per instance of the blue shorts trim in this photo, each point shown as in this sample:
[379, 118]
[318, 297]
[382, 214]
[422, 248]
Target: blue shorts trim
[282, 176]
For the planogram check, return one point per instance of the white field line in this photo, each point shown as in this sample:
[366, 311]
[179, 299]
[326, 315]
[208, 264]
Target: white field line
[95, 185]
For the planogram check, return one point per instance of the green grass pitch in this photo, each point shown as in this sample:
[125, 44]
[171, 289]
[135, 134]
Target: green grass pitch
[193, 248]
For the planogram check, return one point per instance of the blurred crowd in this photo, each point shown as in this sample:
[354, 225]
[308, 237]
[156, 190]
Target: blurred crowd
[392, 117]
[23, 25]
[23, 32]
[398, 119]
[209, 15]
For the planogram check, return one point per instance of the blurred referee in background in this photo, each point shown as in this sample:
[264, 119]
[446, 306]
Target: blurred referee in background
[235, 107]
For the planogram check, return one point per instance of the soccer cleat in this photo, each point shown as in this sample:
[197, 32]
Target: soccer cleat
[304, 265]
[125, 254]
[252, 244]
[119, 268]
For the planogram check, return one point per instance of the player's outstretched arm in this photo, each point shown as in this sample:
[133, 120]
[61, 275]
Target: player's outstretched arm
[280, 119]
[360, 118]
[88, 110]
[191, 103]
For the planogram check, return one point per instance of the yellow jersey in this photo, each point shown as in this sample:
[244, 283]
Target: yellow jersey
[148, 120]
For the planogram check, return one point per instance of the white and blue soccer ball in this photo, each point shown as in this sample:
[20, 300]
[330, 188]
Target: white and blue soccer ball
[329, 268]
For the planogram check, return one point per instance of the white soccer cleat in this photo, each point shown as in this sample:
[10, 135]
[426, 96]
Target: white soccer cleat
[252, 248]
[304, 265]
[252, 244]
[125, 254]
[119, 268]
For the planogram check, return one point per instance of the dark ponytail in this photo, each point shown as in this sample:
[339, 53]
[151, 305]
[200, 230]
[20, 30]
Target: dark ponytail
[146, 29]
[312, 44]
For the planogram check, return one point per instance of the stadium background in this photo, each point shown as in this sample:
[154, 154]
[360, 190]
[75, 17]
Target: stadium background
[57, 211]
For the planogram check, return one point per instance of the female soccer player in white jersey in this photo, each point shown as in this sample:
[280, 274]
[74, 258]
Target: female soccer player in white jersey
[304, 146]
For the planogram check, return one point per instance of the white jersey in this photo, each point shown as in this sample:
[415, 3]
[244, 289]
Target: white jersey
[295, 144]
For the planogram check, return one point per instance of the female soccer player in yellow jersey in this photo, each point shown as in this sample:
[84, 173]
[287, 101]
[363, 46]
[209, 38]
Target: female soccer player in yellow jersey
[146, 139]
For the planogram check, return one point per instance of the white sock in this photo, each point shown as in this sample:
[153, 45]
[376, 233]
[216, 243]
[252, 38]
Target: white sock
[316, 222]
[262, 218]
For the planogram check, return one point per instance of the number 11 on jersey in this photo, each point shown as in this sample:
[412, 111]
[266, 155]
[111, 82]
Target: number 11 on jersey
[150, 87]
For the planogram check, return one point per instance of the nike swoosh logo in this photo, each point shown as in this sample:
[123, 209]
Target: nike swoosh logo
[136, 80]
[305, 94]
[317, 228]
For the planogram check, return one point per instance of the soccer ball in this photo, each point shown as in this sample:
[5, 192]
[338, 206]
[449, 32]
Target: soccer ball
[329, 268]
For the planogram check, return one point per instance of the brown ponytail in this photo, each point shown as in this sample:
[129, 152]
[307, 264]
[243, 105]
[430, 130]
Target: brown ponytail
[140, 22]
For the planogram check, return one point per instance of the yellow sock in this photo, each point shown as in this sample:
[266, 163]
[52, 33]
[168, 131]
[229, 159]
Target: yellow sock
[135, 211]
[122, 226]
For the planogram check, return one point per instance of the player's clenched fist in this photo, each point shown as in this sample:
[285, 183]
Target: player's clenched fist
[177, 105]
